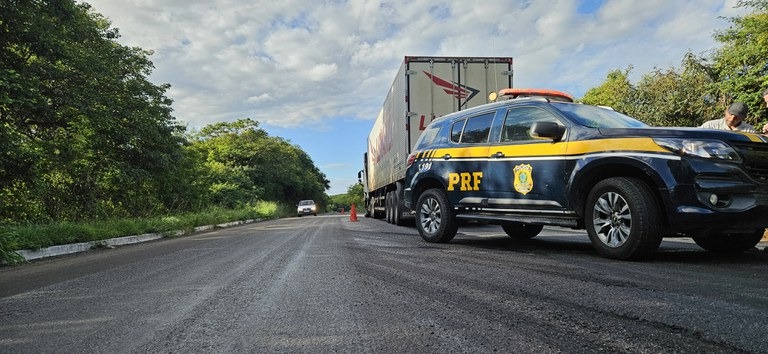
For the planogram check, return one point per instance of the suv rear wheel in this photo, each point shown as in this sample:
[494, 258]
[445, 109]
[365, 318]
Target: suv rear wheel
[521, 231]
[622, 218]
[434, 217]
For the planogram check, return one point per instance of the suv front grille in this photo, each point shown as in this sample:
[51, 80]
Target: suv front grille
[755, 157]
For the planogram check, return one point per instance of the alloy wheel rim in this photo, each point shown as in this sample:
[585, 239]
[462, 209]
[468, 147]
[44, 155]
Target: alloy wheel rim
[429, 215]
[612, 219]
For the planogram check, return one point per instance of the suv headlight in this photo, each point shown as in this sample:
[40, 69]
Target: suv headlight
[708, 149]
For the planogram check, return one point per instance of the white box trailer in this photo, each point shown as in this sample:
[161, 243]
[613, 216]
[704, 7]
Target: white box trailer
[425, 88]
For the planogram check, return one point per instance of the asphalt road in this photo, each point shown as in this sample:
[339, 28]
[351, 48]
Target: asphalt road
[325, 284]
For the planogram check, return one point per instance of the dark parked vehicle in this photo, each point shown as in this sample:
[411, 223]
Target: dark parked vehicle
[528, 162]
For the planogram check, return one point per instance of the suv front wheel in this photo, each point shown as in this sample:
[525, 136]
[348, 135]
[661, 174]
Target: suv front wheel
[434, 217]
[622, 218]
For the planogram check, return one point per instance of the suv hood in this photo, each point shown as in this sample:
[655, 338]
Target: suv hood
[683, 132]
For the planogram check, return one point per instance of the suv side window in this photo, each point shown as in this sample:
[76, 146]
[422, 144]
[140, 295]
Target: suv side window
[456, 129]
[517, 125]
[477, 129]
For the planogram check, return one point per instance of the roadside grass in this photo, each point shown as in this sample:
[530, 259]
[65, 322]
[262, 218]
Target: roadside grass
[33, 237]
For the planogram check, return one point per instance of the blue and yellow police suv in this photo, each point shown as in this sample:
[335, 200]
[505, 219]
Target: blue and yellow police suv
[540, 159]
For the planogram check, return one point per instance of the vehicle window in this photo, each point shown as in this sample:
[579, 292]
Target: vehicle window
[456, 129]
[518, 123]
[597, 117]
[477, 129]
[427, 137]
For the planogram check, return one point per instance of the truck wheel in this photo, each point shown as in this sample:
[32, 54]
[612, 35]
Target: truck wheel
[435, 217]
[521, 231]
[729, 243]
[396, 210]
[397, 206]
[388, 206]
[622, 218]
[371, 209]
[376, 214]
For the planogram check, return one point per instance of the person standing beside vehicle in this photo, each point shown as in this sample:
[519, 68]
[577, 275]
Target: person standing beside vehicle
[765, 98]
[733, 119]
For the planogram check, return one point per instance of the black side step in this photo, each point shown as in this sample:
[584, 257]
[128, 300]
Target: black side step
[563, 221]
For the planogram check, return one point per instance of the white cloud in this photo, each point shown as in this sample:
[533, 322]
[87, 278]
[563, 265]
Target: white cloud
[257, 58]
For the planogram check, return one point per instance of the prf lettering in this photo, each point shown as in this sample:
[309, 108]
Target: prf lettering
[467, 181]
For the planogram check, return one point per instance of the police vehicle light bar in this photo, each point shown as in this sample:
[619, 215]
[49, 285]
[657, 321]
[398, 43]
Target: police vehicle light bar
[551, 95]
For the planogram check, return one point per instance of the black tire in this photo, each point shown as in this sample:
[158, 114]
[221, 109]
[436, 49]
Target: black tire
[729, 243]
[379, 214]
[388, 206]
[622, 218]
[435, 217]
[396, 219]
[397, 206]
[374, 213]
[521, 231]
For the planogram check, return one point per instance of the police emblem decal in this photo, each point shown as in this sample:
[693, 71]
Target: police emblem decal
[523, 178]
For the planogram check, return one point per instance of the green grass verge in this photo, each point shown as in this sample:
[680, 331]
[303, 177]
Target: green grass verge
[22, 237]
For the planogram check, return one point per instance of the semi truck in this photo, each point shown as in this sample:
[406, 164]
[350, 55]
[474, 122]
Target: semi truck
[426, 87]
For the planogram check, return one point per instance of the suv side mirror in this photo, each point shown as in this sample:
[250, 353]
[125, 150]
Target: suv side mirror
[549, 130]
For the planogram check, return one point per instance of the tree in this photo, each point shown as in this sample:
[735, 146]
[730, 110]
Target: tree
[672, 97]
[84, 133]
[675, 97]
[704, 86]
[741, 64]
[615, 92]
[355, 195]
[244, 164]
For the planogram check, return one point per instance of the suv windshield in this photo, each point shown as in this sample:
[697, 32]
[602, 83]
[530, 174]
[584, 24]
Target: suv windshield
[597, 117]
[306, 202]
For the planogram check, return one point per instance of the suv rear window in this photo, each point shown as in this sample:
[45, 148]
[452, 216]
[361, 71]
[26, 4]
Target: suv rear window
[427, 137]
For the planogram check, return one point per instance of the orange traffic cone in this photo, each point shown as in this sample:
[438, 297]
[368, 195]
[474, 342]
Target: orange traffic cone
[352, 214]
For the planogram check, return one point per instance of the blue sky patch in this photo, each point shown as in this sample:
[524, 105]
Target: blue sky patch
[589, 6]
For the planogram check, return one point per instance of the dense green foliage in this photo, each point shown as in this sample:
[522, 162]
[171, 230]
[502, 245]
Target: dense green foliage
[354, 196]
[702, 87]
[84, 135]
[242, 164]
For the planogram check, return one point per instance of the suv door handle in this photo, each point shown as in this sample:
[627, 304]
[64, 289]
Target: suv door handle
[447, 157]
[498, 155]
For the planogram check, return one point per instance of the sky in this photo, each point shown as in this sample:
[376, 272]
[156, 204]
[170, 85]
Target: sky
[316, 72]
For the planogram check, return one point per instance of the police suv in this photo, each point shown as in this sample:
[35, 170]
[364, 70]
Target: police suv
[540, 159]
